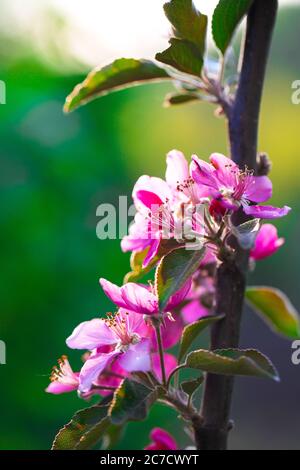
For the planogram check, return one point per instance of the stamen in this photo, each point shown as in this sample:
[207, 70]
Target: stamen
[63, 373]
[119, 324]
[243, 181]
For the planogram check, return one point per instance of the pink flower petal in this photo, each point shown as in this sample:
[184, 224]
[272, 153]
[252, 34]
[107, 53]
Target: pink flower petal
[137, 358]
[113, 292]
[134, 322]
[113, 380]
[139, 299]
[177, 169]
[204, 174]
[153, 185]
[162, 440]
[150, 200]
[138, 238]
[226, 169]
[193, 311]
[266, 212]
[56, 388]
[93, 368]
[129, 243]
[209, 257]
[267, 242]
[179, 296]
[90, 335]
[260, 189]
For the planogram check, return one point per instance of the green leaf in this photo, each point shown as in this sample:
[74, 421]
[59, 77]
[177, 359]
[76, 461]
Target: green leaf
[137, 259]
[120, 74]
[187, 47]
[226, 18]
[275, 309]
[246, 233]
[247, 362]
[191, 332]
[131, 402]
[182, 55]
[136, 264]
[174, 270]
[93, 436]
[112, 436]
[189, 387]
[188, 22]
[85, 429]
[173, 99]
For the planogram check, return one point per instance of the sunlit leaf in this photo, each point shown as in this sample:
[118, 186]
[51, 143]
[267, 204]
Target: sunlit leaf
[84, 430]
[275, 308]
[247, 362]
[188, 23]
[174, 270]
[192, 331]
[120, 74]
[187, 47]
[131, 402]
[183, 56]
[226, 18]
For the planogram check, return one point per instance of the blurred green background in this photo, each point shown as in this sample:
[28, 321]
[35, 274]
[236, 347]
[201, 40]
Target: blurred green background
[56, 170]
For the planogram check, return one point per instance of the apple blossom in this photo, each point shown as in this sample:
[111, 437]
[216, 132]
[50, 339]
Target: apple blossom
[231, 188]
[123, 332]
[63, 379]
[140, 298]
[161, 440]
[267, 242]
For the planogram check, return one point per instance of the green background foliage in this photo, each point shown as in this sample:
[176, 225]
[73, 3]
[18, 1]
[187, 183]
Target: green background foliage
[56, 170]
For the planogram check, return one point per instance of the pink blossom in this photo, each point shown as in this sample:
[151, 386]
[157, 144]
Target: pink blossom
[159, 205]
[193, 311]
[179, 178]
[123, 332]
[152, 199]
[63, 379]
[161, 440]
[140, 298]
[231, 188]
[267, 242]
[111, 377]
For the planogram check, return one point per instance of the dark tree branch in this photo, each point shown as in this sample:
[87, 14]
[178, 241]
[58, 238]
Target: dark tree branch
[231, 276]
[244, 119]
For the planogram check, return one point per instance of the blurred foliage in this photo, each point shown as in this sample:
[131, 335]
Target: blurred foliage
[56, 170]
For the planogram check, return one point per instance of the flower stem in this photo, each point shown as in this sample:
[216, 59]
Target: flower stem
[161, 354]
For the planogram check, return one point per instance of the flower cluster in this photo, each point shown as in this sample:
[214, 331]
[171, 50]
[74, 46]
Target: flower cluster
[191, 208]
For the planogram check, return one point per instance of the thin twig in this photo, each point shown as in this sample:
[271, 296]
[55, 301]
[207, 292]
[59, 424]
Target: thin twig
[161, 354]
